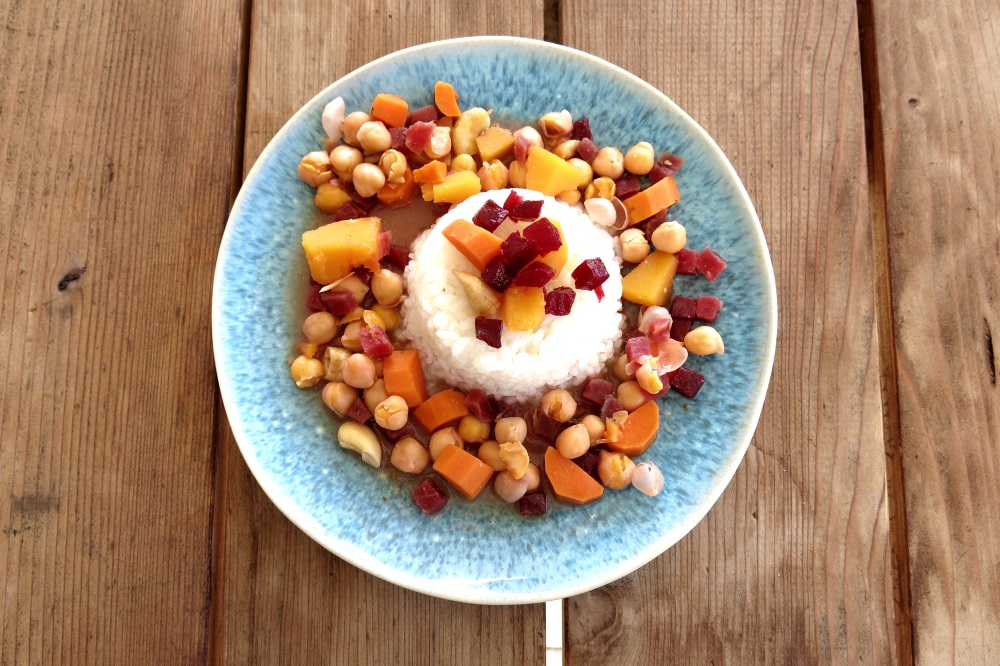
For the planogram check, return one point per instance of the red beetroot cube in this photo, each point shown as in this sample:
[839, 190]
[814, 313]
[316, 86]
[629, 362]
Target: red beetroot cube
[313, 300]
[365, 204]
[478, 404]
[418, 134]
[500, 408]
[658, 173]
[559, 301]
[626, 186]
[599, 291]
[364, 274]
[687, 262]
[375, 342]
[543, 426]
[535, 274]
[667, 165]
[708, 308]
[429, 496]
[396, 435]
[597, 389]
[398, 256]
[638, 347]
[358, 411]
[516, 252]
[349, 211]
[425, 114]
[590, 274]
[587, 150]
[527, 210]
[338, 302]
[532, 504]
[581, 130]
[511, 202]
[687, 382]
[497, 275]
[680, 328]
[650, 225]
[588, 462]
[684, 308]
[710, 264]
[384, 240]
[658, 394]
[543, 236]
[490, 216]
[488, 330]
[397, 139]
[610, 407]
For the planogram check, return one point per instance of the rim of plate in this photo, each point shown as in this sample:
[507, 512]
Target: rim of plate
[439, 588]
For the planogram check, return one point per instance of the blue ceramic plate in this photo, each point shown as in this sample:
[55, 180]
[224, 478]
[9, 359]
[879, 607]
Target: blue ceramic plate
[483, 552]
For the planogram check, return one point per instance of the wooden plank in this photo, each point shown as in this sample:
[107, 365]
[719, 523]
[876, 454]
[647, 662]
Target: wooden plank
[792, 565]
[283, 598]
[940, 107]
[112, 201]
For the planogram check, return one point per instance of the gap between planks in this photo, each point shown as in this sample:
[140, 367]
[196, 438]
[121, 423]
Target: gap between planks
[885, 326]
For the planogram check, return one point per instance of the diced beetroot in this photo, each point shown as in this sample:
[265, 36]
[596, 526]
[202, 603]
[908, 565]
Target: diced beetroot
[338, 302]
[626, 186]
[490, 216]
[375, 342]
[527, 210]
[708, 308]
[364, 204]
[363, 273]
[488, 330]
[397, 139]
[429, 496]
[497, 275]
[597, 389]
[479, 405]
[516, 253]
[659, 329]
[599, 291]
[418, 134]
[588, 462]
[658, 394]
[581, 130]
[396, 435]
[349, 211]
[638, 347]
[590, 274]
[710, 264]
[650, 225]
[587, 150]
[684, 307]
[425, 114]
[398, 256]
[532, 504]
[559, 301]
[500, 408]
[535, 274]
[667, 165]
[610, 407]
[687, 382]
[384, 243]
[521, 147]
[358, 411]
[687, 261]
[658, 173]
[543, 426]
[543, 236]
[680, 328]
[313, 300]
[511, 202]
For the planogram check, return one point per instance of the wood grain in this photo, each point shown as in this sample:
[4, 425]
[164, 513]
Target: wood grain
[112, 201]
[792, 565]
[940, 107]
[283, 598]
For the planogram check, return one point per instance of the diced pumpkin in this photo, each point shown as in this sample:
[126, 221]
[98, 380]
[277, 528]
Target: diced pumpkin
[330, 196]
[396, 194]
[433, 172]
[457, 187]
[335, 249]
[651, 282]
[390, 109]
[427, 191]
[404, 376]
[467, 473]
[652, 200]
[440, 409]
[638, 431]
[522, 308]
[569, 482]
[495, 143]
[548, 173]
[475, 243]
[557, 258]
[446, 99]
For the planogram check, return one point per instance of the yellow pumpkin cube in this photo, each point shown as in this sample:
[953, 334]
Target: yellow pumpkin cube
[522, 308]
[548, 173]
[335, 249]
[495, 143]
[330, 197]
[457, 187]
[651, 282]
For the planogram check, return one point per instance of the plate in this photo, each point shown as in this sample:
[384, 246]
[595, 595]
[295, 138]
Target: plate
[483, 552]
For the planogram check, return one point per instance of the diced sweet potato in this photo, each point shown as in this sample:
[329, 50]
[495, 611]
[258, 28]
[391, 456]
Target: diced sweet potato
[336, 248]
[495, 143]
[651, 282]
[390, 109]
[457, 187]
[638, 431]
[475, 243]
[569, 482]
[433, 172]
[652, 200]
[522, 308]
[440, 409]
[548, 173]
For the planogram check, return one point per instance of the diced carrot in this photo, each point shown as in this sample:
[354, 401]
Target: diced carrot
[404, 376]
[463, 470]
[475, 243]
[639, 430]
[652, 200]
[569, 482]
[390, 109]
[398, 193]
[440, 409]
[446, 99]
[432, 172]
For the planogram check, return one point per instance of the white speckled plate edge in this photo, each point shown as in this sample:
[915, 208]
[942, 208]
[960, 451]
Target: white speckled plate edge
[460, 589]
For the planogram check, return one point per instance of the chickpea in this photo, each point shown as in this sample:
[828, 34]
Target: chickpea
[620, 368]
[517, 174]
[442, 438]
[355, 285]
[555, 124]
[585, 170]
[306, 371]
[533, 476]
[615, 469]
[374, 137]
[631, 396]
[608, 163]
[511, 429]
[368, 179]
[375, 394]
[351, 339]
[559, 404]
[343, 159]
[308, 349]
[409, 456]
[566, 149]
[354, 315]
[649, 381]
[359, 371]
[704, 341]
[315, 169]
[639, 158]
[391, 413]
[473, 430]
[603, 188]
[493, 176]
[352, 123]
[389, 316]
[508, 488]
[320, 327]
[393, 165]
[379, 366]
[529, 134]
[333, 359]
[635, 248]
[516, 457]
[387, 287]
[339, 397]
[669, 237]
[463, 162]
[574, 441]
[595, 427]
[489, 453]
[569, 197]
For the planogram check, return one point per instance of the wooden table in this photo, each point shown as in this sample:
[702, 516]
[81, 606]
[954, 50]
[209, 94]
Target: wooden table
[862, 524]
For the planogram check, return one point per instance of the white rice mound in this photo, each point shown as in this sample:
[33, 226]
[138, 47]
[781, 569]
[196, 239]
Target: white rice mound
[438, 321]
